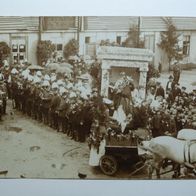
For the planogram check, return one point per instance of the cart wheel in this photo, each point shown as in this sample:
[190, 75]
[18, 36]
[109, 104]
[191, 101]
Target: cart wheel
[108, 165]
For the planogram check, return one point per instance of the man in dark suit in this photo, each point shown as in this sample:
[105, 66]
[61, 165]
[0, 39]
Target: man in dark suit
[156, 124]
[176, 72]
[53, 107]
[170, 84]
[62, 111]
[176, 91]
[183, 92]
[160, 92]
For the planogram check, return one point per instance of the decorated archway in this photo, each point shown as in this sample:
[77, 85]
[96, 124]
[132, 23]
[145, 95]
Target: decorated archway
[120, 57]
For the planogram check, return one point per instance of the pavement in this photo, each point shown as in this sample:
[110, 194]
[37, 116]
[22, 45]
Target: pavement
[187, 79]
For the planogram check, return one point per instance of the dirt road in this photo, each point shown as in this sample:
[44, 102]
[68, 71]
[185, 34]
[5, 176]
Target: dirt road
[29, 149]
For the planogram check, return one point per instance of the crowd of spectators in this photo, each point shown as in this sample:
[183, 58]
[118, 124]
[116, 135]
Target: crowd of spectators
[72, 104]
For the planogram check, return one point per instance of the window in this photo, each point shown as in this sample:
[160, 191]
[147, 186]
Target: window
[59, 47]
[15, 57]
[186, 45]
[14, 48]
[149, 42]
[21, 57]
[118, 40]
[87, 40]
[22, 48]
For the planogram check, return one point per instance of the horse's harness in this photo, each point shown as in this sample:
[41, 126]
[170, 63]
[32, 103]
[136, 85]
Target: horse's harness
[187, 146]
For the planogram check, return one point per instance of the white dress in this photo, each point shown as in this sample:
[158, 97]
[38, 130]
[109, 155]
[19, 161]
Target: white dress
[120, 116]
[94, 155]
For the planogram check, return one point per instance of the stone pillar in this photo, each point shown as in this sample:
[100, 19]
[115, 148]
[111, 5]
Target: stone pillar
[142, 80]
[104, 80]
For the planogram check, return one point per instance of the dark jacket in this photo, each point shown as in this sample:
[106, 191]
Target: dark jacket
[55, 103]
[168, 89]
[160, 92]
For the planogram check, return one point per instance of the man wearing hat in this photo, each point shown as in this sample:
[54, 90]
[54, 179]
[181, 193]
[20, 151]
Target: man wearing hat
[45, 101]
[53, 107]
[30, 98]
[156, 124]
[176, 72]
[14, 90]
[62, 111]
[160, 92]
[176, 91]
[36, 101]
[170, 84]
[3, 92]
[183, 92]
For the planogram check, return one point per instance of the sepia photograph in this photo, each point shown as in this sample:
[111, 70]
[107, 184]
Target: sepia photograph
[97, 97]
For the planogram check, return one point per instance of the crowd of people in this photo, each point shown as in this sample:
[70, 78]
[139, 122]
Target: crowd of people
[72, 104]
[66, 102]
[170, 109]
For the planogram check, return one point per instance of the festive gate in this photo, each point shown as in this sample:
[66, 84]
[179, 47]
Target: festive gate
[121, 57]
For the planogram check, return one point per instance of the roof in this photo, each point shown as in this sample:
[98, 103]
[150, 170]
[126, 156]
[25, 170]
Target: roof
[100, 23]
[158, 23]
[121, 23]
[113, 23]
[18, 23]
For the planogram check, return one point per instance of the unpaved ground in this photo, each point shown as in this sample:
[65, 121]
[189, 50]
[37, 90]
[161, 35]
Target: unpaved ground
[29, 149]
[187, 79]
[38, 151]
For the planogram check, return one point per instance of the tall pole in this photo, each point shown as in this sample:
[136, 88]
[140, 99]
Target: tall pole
[39, 37]
[138, 37]
[40, 28]
[78, 30]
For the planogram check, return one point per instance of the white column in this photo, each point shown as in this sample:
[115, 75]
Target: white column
[104, 80]
[142, 79]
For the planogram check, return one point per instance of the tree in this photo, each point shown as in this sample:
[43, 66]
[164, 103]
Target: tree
[133, 40]
[45, 50]
[4, 51]
[169, 42]
[71, 48]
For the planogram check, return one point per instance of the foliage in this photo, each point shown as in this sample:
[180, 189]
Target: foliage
[108, 43]
[71, 48]
[133, 40]
[4, 51]
[45, 50]
[169, 42]
[152, 72]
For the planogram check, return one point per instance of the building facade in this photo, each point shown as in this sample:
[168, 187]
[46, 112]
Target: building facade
[23, 33]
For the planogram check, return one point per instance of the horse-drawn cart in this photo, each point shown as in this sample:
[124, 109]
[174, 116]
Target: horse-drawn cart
[109, 162]
[115, 149]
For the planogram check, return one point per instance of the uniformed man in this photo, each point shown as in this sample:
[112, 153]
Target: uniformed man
[160, 92]
[3, 90]
[46, 97]
[156, 124]
[62, 111]
[53, 107]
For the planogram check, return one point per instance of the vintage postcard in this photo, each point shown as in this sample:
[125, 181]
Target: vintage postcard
[97, 97]
[97, 90]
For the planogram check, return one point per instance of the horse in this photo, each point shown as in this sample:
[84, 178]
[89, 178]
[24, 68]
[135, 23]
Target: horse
[178, 151]
[187, 134]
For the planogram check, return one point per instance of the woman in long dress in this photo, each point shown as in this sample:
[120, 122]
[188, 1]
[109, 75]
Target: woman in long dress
[122, 94]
